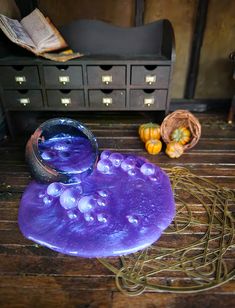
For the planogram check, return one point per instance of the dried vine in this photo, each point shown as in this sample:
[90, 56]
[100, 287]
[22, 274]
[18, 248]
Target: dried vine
[201, 239]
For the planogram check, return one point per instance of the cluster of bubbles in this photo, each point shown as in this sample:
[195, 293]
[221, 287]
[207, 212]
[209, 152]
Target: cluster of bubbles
[77, 205]
[74, 202]
[132, 165]
[91, 207]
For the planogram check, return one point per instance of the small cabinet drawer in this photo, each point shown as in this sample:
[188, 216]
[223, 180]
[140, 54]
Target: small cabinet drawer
[63, 76]
[107, 100]
[19, 77]
[148, 99]
[106, 75]
[150, 75]
[23, 99]
[68, 100]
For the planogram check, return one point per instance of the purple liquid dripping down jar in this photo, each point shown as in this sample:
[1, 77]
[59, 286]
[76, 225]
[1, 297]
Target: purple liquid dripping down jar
[120, 206]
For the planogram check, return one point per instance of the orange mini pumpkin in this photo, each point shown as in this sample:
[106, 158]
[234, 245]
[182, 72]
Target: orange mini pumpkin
[149, 131]
[174, 149]
[181, 135]
[153, 146]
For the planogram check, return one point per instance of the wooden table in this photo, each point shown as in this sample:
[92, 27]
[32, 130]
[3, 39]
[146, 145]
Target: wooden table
[34, 276]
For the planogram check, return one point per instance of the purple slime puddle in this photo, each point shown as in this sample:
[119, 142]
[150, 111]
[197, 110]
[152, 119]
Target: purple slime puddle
[122, 207]
[70, 154]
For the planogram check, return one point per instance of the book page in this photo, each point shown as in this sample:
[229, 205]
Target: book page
[14, 31]
[56, 41]
[34, 32]
[42, 31]
[37, 27]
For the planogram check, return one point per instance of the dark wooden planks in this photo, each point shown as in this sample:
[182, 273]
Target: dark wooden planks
[174, 300]
[50, 265]
[82, 283]
[44, 297]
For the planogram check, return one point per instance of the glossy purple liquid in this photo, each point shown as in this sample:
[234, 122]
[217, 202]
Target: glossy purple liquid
[122, 207]
[69, 154]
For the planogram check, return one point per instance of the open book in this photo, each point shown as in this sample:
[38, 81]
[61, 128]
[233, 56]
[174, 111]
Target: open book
[36, 33]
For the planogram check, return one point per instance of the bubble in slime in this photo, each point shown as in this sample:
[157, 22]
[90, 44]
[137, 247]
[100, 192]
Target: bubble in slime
[123, 206]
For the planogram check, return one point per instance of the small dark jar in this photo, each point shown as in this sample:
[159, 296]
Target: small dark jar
[40, 169]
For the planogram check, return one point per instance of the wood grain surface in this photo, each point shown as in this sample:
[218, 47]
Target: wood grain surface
[34, 276]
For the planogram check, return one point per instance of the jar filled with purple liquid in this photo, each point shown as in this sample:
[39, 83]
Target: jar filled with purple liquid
[61, 150]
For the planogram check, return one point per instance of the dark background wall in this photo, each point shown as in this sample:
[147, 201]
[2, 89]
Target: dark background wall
[215, 71]
[182, 15]
[9, 8]
[118, 12]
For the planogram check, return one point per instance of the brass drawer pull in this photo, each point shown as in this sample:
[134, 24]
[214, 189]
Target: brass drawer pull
[64, 79]
[148, 101]
[149, 79]
[107, 101]
[65, 101]
[20, 79]
[24, 101]
[107, 79]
